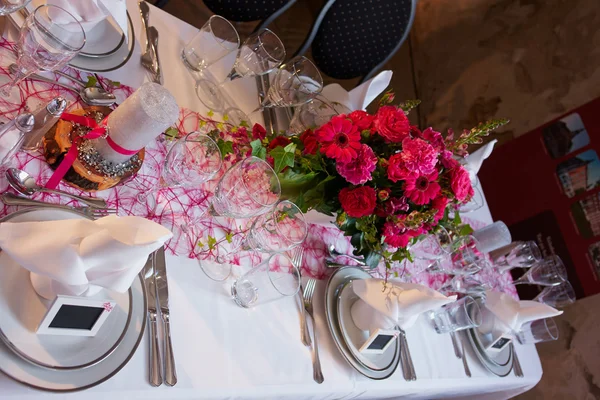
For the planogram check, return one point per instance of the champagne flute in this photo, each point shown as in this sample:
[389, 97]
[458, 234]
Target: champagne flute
[49, 38]
[557, 296]
[548, 272]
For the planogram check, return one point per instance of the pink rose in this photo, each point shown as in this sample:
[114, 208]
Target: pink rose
[419, 156]
[361, 119]
[392, 124]
[396, 169]
[358, 171]
[460, 182]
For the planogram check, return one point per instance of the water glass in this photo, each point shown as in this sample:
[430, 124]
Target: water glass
[462, 314]
[557, 296]
[314, 114]
[541, 330]
[49, 38]
[273, 279]
[247, 189]
[517, 254]
[493, 236]
[279, 230]
[549, 272]
[216, 39]
[193, 160]
[260, 53]
[465, 258]
[10, 6]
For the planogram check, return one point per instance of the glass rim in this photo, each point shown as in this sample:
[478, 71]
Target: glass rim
[259, 161]
[277, 226]
[551, 328]
[219, 40]
[261, 44]
[34, 15]
[472, 307]
[295, 73]
[295, 271]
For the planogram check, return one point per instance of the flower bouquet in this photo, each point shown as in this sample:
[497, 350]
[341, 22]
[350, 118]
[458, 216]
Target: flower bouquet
[387, 182]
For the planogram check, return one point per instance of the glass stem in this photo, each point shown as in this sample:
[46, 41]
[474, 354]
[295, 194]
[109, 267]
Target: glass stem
[20, 75]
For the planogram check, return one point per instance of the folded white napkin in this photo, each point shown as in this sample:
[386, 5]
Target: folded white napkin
[79, 257]
[475, 160]
[361, 96]
[90, 12]
[399, 304]
[503, 313]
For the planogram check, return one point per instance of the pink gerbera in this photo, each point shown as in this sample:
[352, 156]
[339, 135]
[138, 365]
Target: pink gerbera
[419, 156]
[358, 171]
[423, 188]
[339, 139]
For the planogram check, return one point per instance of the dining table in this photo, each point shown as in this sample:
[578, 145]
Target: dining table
[223, 351]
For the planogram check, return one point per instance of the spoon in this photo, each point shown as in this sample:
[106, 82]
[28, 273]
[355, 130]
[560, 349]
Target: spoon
[334, 253]
[93, 96]
[24, 183]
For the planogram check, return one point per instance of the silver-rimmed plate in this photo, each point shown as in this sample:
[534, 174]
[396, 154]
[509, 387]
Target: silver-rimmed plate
[61, 380]
[334, 286]
[106, 63]
[24, 309]
[354, 338]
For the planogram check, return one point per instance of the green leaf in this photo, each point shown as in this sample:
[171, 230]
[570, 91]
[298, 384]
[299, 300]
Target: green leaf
[229, 237]
[457, 221]
[91, 81]
[299, 201]
[465, 230]
[172, 133]
[115, 83]
[283, 157]
[212, 242]
[210, 113]
[200, 244]
[225, 146]
[244, 124]
[258, 150]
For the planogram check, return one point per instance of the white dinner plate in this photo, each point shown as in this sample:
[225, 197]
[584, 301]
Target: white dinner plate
[335, 285]
[63, 380]
[99, 63]
[354, 338]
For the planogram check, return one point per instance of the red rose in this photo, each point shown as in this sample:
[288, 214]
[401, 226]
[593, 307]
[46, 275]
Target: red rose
[396, 170]
[279, 141]
[258, 132]
[439, 203]
[310, 142]
[392, 124]
[361, 119]
[358, 202]
[460, 182]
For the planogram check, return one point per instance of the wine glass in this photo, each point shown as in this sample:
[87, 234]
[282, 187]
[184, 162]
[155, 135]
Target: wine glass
[49, 38]
[517, 254]
[260, 53]
[557, 296]
[216, 39]
[314, 114]
[247, 189]
[548, 272]
[297, 82]
[10, 6]
[432, 248]
[465, 258]
[467, 284]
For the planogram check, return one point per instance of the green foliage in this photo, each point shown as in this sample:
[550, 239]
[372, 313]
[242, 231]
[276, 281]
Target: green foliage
[409, 105]
[91, 81]
[172, 133]
[225, 146]
[283, 157]
[258, 150]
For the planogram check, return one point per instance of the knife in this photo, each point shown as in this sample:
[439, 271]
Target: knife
[150, 281]
[153, 38]
[162, 289]
[145, 13]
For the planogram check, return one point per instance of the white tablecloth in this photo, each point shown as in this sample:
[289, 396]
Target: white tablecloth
[224, 351]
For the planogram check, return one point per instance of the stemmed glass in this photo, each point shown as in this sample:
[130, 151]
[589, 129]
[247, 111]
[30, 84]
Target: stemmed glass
[297, 82]
[466, 284]
[8, 7]
[548, 272]
[516, 254]
[432, 248]
[466, 258]
[557, 296]
[314, 114]
[247, 189]
[260, 53]
[49, 38]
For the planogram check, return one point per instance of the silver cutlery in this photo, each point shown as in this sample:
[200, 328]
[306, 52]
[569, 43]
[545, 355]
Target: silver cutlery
[408, 368]
[150, 282]
[162, 290]
[457, 351]
[14, 200]
[153, 38]
[71, 78]
[333, 253]
[24, 183]
[516, 364]
[464, 358]
[145, 14]
[297, 261]
[309, 292]
[93, 96]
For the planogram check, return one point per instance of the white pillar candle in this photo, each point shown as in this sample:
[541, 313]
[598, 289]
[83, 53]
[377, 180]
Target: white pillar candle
[145, 114]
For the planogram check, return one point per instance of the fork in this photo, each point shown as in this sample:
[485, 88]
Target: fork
[297, 261]
[12, 200]
[309, 292]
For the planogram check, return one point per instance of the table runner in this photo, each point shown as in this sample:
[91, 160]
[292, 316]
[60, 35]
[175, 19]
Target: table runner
[172, 207]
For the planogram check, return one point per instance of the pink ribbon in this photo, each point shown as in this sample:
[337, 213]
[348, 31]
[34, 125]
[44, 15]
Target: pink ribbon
[96, 132]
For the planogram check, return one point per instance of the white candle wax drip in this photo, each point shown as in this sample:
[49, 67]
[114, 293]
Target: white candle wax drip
[145, 114]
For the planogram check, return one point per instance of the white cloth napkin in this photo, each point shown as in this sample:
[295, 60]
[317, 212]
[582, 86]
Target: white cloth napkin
[399, 304]
[90, 12]
[511, 314]
[79, 257]
[475, 160]
[361, 96]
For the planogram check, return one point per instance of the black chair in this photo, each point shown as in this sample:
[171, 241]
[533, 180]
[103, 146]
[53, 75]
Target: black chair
[352, 38]
[250, 10]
